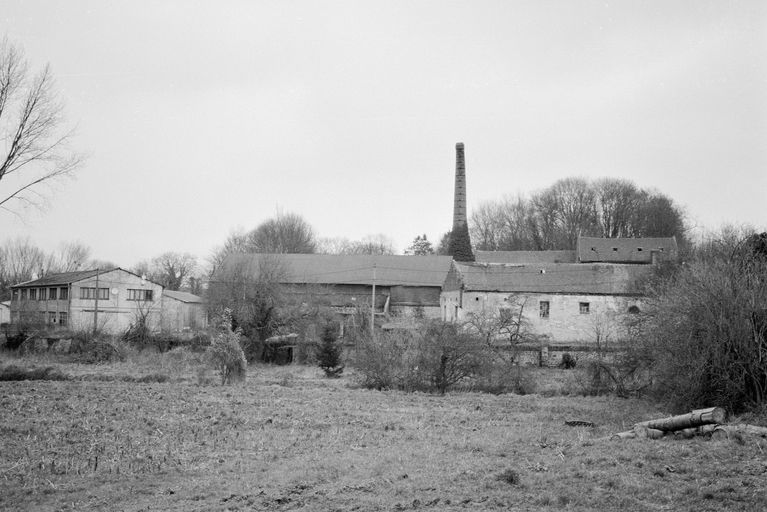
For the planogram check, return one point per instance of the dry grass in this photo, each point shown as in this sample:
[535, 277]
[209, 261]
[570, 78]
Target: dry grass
[289, 439]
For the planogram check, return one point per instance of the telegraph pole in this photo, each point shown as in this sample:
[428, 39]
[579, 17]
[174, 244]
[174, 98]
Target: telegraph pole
[96, 309]
[373, 305]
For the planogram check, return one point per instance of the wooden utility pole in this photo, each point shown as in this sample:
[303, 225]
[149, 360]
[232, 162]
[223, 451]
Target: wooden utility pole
[373, 305]
[96, 308]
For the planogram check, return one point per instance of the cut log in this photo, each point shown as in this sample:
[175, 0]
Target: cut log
[703, 430]
[728, 431]
[643, 432]
[693, 419]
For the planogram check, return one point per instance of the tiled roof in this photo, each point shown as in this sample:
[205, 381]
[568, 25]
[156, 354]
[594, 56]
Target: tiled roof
[183, 296]
[625, 250]
[522, 257]
[390, 270]
[570, 278]
[64, 278]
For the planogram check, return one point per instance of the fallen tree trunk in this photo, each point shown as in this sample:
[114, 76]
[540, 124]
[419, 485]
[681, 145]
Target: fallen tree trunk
[693, 419]
[727, 431]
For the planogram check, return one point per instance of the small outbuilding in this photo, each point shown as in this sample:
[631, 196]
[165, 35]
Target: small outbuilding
[183, 311]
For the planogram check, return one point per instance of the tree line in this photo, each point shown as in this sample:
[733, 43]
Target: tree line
[555, 217]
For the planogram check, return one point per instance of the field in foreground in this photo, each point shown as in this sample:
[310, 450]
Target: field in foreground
[288, 439]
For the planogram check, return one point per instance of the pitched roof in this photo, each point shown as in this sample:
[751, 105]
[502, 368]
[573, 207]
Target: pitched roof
[521, 257]
[64, 278]
[390, 270]
[624, 250]
[569, 278]
[183, 296]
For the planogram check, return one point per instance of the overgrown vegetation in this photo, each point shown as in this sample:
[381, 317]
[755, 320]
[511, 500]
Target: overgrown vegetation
[226, 352]
[704, 335]
[435, 357]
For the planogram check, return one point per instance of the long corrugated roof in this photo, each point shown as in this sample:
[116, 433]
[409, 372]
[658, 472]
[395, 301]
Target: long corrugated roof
[522, 257]
[390, 270]
[625, 250]
[570, 278]
[64, 278]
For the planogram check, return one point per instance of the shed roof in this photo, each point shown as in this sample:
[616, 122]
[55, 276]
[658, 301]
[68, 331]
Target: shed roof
[624, 250]
[183, 296]
[522, 257]
[566, 278]
[329, 269]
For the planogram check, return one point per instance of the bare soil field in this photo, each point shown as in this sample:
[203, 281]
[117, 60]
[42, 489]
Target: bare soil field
[289, 439]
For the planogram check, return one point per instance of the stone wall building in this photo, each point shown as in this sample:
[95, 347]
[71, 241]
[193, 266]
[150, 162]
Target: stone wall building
[562, 303]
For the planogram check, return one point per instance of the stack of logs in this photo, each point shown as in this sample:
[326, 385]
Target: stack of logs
[699, 422]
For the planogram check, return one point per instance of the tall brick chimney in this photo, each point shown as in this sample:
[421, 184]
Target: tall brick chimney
[459, 204]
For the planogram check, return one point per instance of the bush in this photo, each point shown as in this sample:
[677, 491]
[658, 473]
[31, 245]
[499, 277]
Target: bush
[90, 349]
[227, 356]
[436, 357]
[568, 361]
[705, 336]
[328, 352]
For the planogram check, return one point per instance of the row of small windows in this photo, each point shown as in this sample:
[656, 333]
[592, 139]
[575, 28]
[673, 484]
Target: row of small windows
[43, 293]
[86, 293]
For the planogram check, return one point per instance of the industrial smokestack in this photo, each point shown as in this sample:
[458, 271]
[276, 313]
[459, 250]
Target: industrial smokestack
[459, 204]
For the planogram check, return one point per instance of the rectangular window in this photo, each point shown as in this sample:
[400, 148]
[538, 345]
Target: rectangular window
[15, 294]
[23, 293]
[52, 293]
[543, 310]
[63, 293]
[63, 317]
[33, 294]
[584, 307]
[42, 294]
[90, 293]
[134, 294]
[51, 317]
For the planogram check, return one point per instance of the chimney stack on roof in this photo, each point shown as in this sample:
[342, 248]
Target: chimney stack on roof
[459, 205]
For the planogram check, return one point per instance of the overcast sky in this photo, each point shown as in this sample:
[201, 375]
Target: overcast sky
[204, 117]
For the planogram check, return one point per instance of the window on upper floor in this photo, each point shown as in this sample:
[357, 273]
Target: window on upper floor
[23, 293]
[42, 294]
[585, 308]
[135, 294]
[52, 292]
[63, 293]
[33, 294]
[87, 293]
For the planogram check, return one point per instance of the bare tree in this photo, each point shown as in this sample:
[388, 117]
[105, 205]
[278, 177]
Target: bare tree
[286, 233]
[236, 243]
[20, 260]
[36, 149]
[71, 256]
[553, 218]
[173, 270]
[371, 244]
